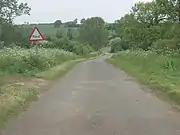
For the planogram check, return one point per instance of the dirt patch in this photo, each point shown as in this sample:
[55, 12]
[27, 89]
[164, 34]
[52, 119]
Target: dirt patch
[27, 82]
[37, 83]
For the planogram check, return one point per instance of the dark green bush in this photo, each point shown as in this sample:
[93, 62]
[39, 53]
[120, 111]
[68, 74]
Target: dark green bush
[82, 49]
[117, 44]
[166, 44]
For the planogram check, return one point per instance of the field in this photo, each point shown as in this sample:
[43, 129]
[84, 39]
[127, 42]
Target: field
[49, 30]
[160, 72]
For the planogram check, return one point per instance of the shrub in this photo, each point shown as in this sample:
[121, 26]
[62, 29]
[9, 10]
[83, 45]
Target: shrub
[162, 45]
[82, 49]
[117, 44]
[23, 61]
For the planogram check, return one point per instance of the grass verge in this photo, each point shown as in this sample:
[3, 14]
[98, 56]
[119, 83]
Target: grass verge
[58, 71]
[14, 99]
[159, 72]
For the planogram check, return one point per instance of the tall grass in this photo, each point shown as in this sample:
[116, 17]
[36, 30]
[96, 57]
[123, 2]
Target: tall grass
[27, 61]
[159, 71]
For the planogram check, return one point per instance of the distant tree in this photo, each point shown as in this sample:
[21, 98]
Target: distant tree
[72, 23]
[83, 20]
[75, 21]
[94, 33]
[59, 33]
[69, 34]
[57, 23]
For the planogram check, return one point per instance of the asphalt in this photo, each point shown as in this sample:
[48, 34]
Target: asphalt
[96, 99]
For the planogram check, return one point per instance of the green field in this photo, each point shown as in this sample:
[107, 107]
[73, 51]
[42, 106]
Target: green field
[49, 30]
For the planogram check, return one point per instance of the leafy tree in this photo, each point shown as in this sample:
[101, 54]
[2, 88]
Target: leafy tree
[117, 44]
[57, 23]
[83, 20]
[59, 33]
[69, 34]
[151, 24]
[71, 23]
[9, 9]
[14, 34]
[93, 32]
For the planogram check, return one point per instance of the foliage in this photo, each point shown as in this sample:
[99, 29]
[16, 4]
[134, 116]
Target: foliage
[83, 20]
[10, 33]
[14, 34]
[25, 61]
[151, 23]
[57, 23]
[9, 9]
[71, 23]
[59, 33]
[93, 32]
[69, 34]
[82, 49]
[117, 44]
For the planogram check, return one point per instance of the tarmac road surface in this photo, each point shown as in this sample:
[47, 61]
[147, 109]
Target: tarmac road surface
[96, 99]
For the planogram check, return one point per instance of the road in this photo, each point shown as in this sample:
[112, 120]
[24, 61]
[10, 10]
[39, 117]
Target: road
[96, 99]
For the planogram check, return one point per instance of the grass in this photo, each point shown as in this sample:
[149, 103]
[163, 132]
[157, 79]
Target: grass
[13, 99]
[58, 71]
[159, 72]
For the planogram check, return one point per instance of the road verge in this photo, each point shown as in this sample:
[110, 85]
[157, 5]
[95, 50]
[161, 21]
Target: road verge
[16, 95]
[153, 71]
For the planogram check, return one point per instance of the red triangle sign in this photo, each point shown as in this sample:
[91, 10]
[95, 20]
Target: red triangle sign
[36, 35]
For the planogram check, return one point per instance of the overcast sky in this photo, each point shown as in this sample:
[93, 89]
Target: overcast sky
[65, 10]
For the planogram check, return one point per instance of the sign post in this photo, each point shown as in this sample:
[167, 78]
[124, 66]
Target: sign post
[35, 37]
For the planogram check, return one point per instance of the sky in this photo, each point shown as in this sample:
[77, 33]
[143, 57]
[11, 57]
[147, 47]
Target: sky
[67, 10]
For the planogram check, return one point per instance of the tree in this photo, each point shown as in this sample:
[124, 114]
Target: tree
[82, 20]
[57, 23]
[69, 34]
[71, 23]
[9, 9]
[150, 24]
[94, 33]
[75, 21]
[170, 8]
[59, 33]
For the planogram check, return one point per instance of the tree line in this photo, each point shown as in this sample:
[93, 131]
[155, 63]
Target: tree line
[91, 31]
[150, 25]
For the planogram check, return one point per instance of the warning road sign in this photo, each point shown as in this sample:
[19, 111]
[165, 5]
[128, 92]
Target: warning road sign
[36, 35]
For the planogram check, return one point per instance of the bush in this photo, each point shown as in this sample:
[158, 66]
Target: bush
[82, 49]
[117, 44]
[23, 61]
[15, 34]
[166, 44]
